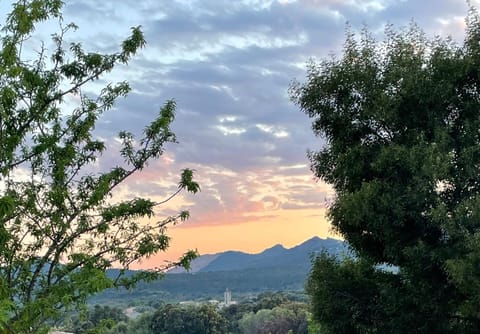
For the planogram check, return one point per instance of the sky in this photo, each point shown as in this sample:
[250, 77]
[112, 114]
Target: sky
[228, 64]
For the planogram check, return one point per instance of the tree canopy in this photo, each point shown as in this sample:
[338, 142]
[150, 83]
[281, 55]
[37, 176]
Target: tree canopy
[401, 122]
[59, 228]
[178, 319]
[272, 313]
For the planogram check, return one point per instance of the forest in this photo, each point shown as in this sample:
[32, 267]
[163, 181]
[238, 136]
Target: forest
[267, 312]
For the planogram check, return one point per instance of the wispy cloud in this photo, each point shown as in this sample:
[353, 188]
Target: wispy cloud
[228, 64]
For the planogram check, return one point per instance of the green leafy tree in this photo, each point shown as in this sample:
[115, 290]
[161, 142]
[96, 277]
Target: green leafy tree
[59, 229]
[401, 121]
[104, 317]
[269, 300]
[140, 325]
[233, 313]
[178, 319]
[253, 322]
[287, 318]
[343, 295]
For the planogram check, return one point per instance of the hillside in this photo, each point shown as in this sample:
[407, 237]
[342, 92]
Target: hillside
[274, 269]
[276, 256]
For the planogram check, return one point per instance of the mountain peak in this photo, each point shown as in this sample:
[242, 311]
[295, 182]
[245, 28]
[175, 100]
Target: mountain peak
[275, 256]
[274, 248]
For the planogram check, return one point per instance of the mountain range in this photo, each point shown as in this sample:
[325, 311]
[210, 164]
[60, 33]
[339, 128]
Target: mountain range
[275, 269]
[276, 256]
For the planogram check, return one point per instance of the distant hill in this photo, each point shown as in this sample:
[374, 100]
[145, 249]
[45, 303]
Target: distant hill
[276, 256]
[196, 265]
[274, 269]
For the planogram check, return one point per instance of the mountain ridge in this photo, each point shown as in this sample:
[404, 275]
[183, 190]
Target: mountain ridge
[275, 256]
[274, 269]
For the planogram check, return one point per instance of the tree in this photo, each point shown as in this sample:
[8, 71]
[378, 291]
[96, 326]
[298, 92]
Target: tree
[140, 325]
[59, 229]
[269, 300]
[343, 294]
[178, 319]
[253, 322]
[276, 318]
[234, 312]
[104, 317]
[400, 120]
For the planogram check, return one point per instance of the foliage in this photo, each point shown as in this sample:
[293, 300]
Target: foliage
[313, 326]
[233, 313]
[400, 120]
[241, 316]
[288, 318]
[104, 317]
[336, 286]
[140, 325]
[269, 300]
[178, 319]
[59, 230]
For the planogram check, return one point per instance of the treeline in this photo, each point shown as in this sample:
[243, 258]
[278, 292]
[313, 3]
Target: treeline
[267, 313]
[179, 287]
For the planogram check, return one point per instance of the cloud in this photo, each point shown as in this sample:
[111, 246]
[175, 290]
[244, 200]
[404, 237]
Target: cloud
[228, 65]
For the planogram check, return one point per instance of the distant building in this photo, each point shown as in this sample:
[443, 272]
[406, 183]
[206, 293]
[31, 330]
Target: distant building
[189, 302]
[227, 297]
[131, 313]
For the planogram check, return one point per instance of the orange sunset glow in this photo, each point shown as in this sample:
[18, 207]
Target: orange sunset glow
[290, 228]
[248, 211]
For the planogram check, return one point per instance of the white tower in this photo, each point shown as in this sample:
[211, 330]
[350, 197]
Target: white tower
[227, 297]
